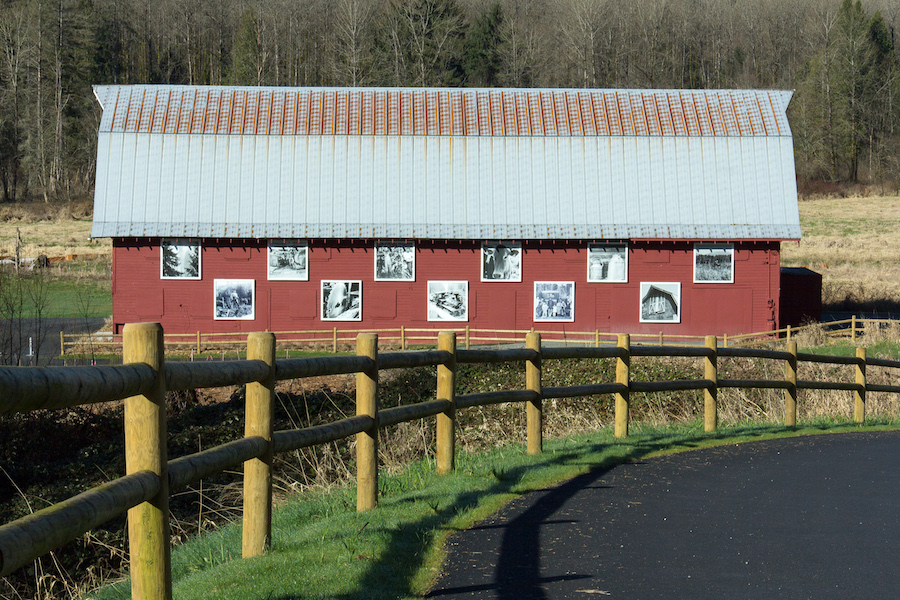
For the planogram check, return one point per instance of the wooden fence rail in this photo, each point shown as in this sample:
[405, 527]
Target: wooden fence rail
[335, 339]
[151, 477]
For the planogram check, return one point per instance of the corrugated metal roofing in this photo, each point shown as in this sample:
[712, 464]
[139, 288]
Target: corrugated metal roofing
[444, 111]
[444, 163]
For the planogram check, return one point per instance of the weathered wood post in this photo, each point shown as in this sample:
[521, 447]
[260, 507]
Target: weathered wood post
[853, 328]
[334, 341]
[260, 403]
[62, 343]
[367, 441]
[534, 409]
[145, 450]
[446, 390]
[790, 392]
[623, 376]
[859, 396]
[711, 394]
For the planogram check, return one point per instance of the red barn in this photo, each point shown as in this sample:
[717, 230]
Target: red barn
[245, 209]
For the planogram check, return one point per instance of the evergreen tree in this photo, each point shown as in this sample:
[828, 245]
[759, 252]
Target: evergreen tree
[246, 53]
[420, 43]
[482, 57]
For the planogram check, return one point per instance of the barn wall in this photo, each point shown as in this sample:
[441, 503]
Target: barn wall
[748, 304]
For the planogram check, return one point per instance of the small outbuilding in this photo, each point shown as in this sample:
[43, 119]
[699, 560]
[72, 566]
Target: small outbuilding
[237, 209]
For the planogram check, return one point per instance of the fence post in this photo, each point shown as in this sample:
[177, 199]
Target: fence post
[661, 339]
[403, 337]
[446, 390]
[623, 376]
[198, 342]
[859, 396]
[260, 401]
[853, 328]
[790, 392]
[596, 338]
[367, 441]
[788, 333]
[534, 409]
[711, 394]
[334, 341]
[467, 337]
[62, 343]
[145, 450]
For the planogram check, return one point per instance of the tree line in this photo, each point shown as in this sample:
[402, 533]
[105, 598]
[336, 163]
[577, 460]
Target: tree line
[839, 55]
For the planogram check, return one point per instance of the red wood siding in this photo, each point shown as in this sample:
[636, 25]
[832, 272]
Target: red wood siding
[186, 306]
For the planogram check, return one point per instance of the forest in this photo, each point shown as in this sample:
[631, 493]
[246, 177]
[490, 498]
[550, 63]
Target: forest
[839, 56]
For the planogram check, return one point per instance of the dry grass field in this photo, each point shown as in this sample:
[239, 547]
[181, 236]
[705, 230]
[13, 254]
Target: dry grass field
[855, 244]
[50, 229]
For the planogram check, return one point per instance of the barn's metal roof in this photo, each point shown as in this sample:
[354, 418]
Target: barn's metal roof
[202, 161]
[445, 111]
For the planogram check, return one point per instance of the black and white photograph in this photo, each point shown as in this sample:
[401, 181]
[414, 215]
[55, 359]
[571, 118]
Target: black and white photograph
[179, 259]
[448, 300]
[341, 300]
[713, 263]
[288, 261]
[395, 262]
[501, 261]
[235, 299]
[554, 300]
[660, 302]
[607, 263]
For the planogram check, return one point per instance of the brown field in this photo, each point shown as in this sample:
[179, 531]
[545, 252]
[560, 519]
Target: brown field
[855, 244]
[51, 229]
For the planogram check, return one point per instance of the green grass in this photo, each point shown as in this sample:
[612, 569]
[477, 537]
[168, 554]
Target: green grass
[72, 290]
[845, 347]
[74, 298]
[322, 548]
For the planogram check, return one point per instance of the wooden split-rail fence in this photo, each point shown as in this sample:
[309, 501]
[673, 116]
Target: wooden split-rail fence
[151, 476]
[403, 337]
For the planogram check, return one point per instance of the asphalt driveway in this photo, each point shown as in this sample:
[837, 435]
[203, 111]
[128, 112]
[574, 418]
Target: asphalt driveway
[807, 517]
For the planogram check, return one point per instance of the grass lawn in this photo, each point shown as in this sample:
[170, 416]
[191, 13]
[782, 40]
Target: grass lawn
[322, 548]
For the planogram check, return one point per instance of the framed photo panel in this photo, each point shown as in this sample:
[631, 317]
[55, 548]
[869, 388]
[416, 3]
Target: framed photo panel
[448, 300]
[661, 302]
[235, 299]
[501, 261]
[395, 262]
[607, 263]
[341, 300]
[288, 261]
[713, 263]
[554, 301]
[179, 259]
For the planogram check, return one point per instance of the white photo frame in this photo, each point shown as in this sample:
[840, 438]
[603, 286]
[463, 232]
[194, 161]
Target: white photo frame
[341, 300]
[179, 259]
[288, 261]
[234, 299]
[554, 301]
[713, 263]
[501, 261]
[395, 262]
[660, 302]
[448, 300]
[607, 263]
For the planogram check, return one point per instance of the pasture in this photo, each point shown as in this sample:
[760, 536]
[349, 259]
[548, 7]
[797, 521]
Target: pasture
[854, 244]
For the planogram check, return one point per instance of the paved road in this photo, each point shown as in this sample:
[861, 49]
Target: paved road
[49, 337]
[809, 517]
